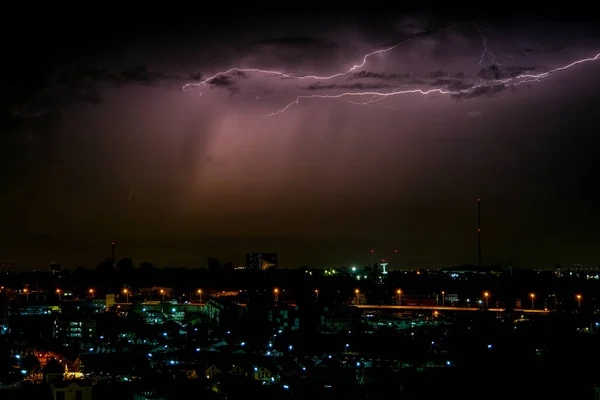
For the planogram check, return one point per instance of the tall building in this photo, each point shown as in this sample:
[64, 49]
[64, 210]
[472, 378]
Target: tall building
[261, 261]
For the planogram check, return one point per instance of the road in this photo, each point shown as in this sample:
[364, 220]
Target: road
[434, 308]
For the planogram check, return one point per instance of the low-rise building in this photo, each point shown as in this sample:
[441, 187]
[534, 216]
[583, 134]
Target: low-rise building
[71, 390]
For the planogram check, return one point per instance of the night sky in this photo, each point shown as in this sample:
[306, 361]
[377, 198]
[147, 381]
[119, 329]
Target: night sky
[121, 128]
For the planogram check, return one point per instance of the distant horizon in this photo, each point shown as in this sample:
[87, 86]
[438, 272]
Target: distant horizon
[14, 267]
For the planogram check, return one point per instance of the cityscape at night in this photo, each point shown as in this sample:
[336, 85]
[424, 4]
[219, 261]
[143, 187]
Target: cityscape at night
[354, 205]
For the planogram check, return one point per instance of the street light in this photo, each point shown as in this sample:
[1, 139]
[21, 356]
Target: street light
[346, 348]
[126, 291]
[276, 294]
[532, 295]
[399, 293]
[317, 293]
[162, 291]
[487, 296]
[357, 293]
[58, 292]
[92, 292]
[26, 291]
[443, 298]
[578, 300]
[199, 291]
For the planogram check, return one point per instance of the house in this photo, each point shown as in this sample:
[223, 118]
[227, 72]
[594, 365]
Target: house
[190, 371]
[71, 390]
[236, 370]
[212, 371]
[262, 373]
[53, 370]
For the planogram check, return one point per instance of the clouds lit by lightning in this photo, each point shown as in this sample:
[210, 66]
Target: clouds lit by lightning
[467, 89]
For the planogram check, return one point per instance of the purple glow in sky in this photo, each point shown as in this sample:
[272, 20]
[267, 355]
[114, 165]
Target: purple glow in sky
[318, 141]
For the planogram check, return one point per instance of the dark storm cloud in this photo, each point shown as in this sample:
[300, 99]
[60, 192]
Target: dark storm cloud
[481, 91]
[492, 72]
[196, 76]
[221, 82]
[92, 97]
[501, 72]
[295, 41]
[87, 75]
[436, 78]
[90, 72]
[457, 85]
[228, 82]
[379, 75]
[354, 86]
[138, 73]
[78, 84]
[516, 71]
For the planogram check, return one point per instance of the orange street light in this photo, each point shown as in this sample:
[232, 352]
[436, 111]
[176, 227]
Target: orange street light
[487, 296]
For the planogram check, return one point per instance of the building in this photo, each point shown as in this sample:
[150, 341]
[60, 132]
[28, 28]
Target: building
[71, 390]
[285, 316]
[39, 310]
[261, 261]
[75, 327]
[338, 318]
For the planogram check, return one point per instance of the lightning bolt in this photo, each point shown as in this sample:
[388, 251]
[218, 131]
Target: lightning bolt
[486, 51]
[376, 96]
[365, 59]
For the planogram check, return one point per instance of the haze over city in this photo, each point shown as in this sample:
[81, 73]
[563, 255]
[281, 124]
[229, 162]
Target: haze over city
[124, 140]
